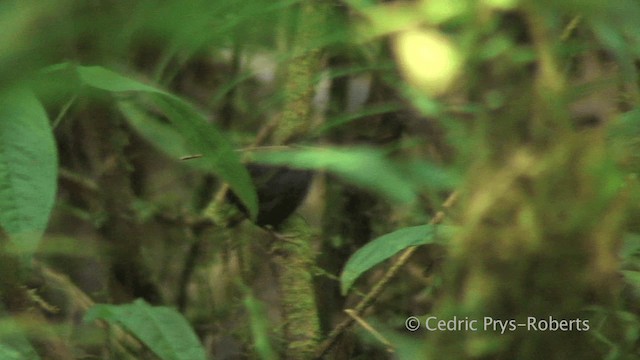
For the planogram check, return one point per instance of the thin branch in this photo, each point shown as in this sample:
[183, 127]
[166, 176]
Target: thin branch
[381, 285]
[375, 333]
[63, 111]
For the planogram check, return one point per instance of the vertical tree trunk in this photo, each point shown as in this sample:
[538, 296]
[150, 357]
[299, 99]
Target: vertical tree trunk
[295, 256]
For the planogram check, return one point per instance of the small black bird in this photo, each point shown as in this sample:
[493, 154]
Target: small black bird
[280, 190]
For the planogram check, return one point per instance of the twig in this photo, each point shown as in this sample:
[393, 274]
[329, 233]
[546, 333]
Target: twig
[570, 28]
[377, 289]
[63, 111]
[376, 334]
[76, 178]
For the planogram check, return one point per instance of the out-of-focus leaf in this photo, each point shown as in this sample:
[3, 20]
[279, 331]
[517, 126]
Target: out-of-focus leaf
[259, 328]
[427, 175]
[368, 111]
[633, 277]
[30, 38]
[630, 247]
[185, 129]
[111, 81]
[626, 127]
[624, 139]
[387, 246]
[368, 168]
[161, 134]
[164, 330]
[615, 40]
[614, 24]
[200, 138]
[28, 169]
[13, 342]
[406, 347]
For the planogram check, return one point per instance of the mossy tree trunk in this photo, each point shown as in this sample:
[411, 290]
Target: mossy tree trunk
[294, 257]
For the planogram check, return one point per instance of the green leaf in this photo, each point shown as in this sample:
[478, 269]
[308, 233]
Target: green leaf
[164, 330]
[14, 344]
[8, 353]
[218, 155]
[368, 168]
[366, 112]
[28, 169]
[423, 174]
[632, 277]
[161, 134]
[108, 80]
[259, 327]
[184, 132]
[407, 347]
[630, 247]
[387, 246]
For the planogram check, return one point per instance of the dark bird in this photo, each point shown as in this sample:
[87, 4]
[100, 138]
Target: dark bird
[280, 191]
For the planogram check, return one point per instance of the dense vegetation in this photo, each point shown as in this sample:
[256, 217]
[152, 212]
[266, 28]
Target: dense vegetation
[474, 188]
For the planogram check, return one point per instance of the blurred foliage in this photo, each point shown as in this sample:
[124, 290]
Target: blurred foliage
[162, 329]
[528, 108]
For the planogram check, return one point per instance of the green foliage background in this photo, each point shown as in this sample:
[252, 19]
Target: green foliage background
[522, 113]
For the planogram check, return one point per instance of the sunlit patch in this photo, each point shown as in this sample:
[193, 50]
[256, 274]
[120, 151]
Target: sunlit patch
[427, 59]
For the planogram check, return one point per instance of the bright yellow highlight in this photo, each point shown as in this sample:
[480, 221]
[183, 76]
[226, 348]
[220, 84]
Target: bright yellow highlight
[501, 4]
[428, 60]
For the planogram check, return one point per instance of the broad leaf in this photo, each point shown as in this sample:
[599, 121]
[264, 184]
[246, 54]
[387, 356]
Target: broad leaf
[161, 134]
[387, 246]
[368, 168]
[108, 80]
[28, 169]
[14, 344]
[164, 330]
[185, 130]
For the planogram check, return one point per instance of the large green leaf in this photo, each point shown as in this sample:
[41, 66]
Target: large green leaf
[365, 167]
[185, 129]
[161, 134]
[14, 344]
[108, 80]
[28, 169]
[387, 246]
[370, 169]
[164, 330]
